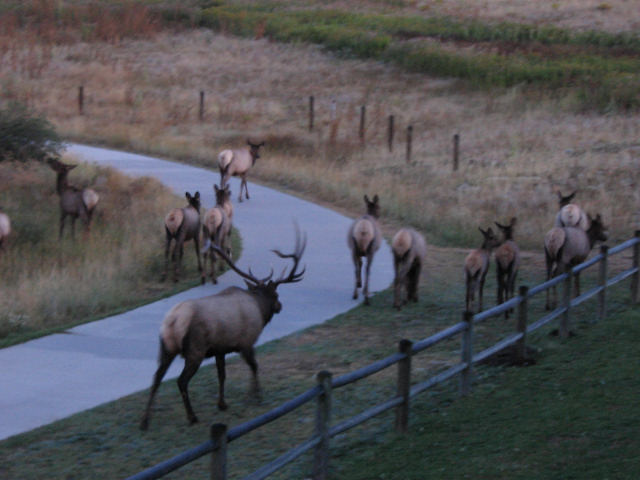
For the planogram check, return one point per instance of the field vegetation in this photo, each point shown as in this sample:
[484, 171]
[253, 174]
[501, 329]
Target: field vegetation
[48, 284]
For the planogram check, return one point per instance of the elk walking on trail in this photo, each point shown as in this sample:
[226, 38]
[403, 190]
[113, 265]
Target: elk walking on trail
[476, 267]
[5, 230]
[507, 257]
[236, 163]
[213, 326]
[566, 247]
[364, 240]
[181, 225]
[74, 202]
[409, 249]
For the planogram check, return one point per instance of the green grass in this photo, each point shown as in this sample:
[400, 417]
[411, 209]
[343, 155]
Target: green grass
[579, 400]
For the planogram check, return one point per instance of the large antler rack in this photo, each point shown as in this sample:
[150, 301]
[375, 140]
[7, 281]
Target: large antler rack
[293, 276]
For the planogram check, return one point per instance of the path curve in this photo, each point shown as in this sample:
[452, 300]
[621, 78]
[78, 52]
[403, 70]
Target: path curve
[50, 378]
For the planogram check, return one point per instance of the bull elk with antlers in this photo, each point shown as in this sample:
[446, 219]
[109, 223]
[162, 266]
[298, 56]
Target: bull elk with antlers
[213, 326]
[74, 202]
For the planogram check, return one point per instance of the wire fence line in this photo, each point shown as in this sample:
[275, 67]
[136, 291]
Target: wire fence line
[321, 393]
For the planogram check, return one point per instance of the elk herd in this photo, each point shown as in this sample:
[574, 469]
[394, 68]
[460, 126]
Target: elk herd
[233, 319]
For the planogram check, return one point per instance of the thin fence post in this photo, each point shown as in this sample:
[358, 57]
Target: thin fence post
[363, 110]
[521, 326]
[467, 353]
[566, 301]
[323, 418]
[635, 279]
[404, 386]
[409, 141]
[81, 100]
[311, 101]
[456, 151]
[201, 110]
[219, 453]
[602, 295]
[390, 134]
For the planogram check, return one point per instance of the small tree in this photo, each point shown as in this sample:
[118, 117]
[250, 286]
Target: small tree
[25, 136]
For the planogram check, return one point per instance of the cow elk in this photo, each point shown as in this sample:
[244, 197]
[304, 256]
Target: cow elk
[5, 230]
[213, 326]
[74, 202]
[570, 214]
[216, 228]
[181, 225]
[409, 249]
[364, 240]
[566, 247]
[507, 257]
[476, 267]
[236, 163]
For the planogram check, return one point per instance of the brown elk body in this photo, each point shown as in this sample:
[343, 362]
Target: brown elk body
[181, 225]
[216, 229]
[409, 249]
[364, 240]
[237, 163]
[507, 257]
[476, 267]
[213, 326]
[74, 202]
[5, 230]
[566, 247]
[570, 214]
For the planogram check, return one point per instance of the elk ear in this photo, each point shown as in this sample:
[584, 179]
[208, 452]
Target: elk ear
[482, 231]
[514, 220]
[197, 196]
[215, 188]
[375, 199]
[366, 199]
[188, 195]
[570, 197]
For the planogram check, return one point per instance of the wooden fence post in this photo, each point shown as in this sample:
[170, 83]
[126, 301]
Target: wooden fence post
[81, 100]
[311, 100]
[566, 301]
[201, 110]
[323, 418]
[409, 141]
[362, 122]
[390, 134]
[521, 326]
[219, 453]
[404, 386]
[467, 353]
[602, 295]
[635, 279]
[456, 151]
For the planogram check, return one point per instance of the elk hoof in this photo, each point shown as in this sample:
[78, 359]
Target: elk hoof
[366, 301]
[355, 295]
[222, 406]
[193, 420]
[144, 424]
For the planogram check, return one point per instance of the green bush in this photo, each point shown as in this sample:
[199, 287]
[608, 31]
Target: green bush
[26, 136]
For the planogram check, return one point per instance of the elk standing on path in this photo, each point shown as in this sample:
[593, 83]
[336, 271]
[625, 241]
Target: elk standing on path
[74, 202]
[476, 267]
[213, 326]
[566, 247]
[507, 262]
[409, 249]
[236, 163]
[216, 228]
[5, 230]
[181, 225]
[364, 240]
[570, 214]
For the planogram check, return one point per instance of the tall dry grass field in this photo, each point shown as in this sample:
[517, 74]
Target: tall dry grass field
[518, 146]
[47, 283]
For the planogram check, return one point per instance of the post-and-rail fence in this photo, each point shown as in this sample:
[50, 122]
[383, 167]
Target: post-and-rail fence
[216, 446]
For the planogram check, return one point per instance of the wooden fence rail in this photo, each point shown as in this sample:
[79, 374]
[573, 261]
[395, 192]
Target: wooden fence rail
[323, 391]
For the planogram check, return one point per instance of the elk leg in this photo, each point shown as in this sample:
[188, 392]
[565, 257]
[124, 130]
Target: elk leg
[357, 262]
[250, 357]
[577, 284]
[196, 242]
[222, 375]
[165, 361]
[73, 226]
[481, 289]
[190, 368]
[246, 188]
[414, 277]
[167, 249]
[548, 263]
[365, 292]
[242, 184]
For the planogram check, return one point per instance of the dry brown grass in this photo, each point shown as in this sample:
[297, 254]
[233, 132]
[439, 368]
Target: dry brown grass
[517, 148]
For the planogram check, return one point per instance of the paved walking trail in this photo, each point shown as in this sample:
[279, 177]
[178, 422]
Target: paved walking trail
[56, 376]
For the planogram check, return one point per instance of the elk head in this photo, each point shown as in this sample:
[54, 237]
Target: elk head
[373, 207]
[194, 200]
[253, 149]
[222, 194]
[565, 200]
[507, 230]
